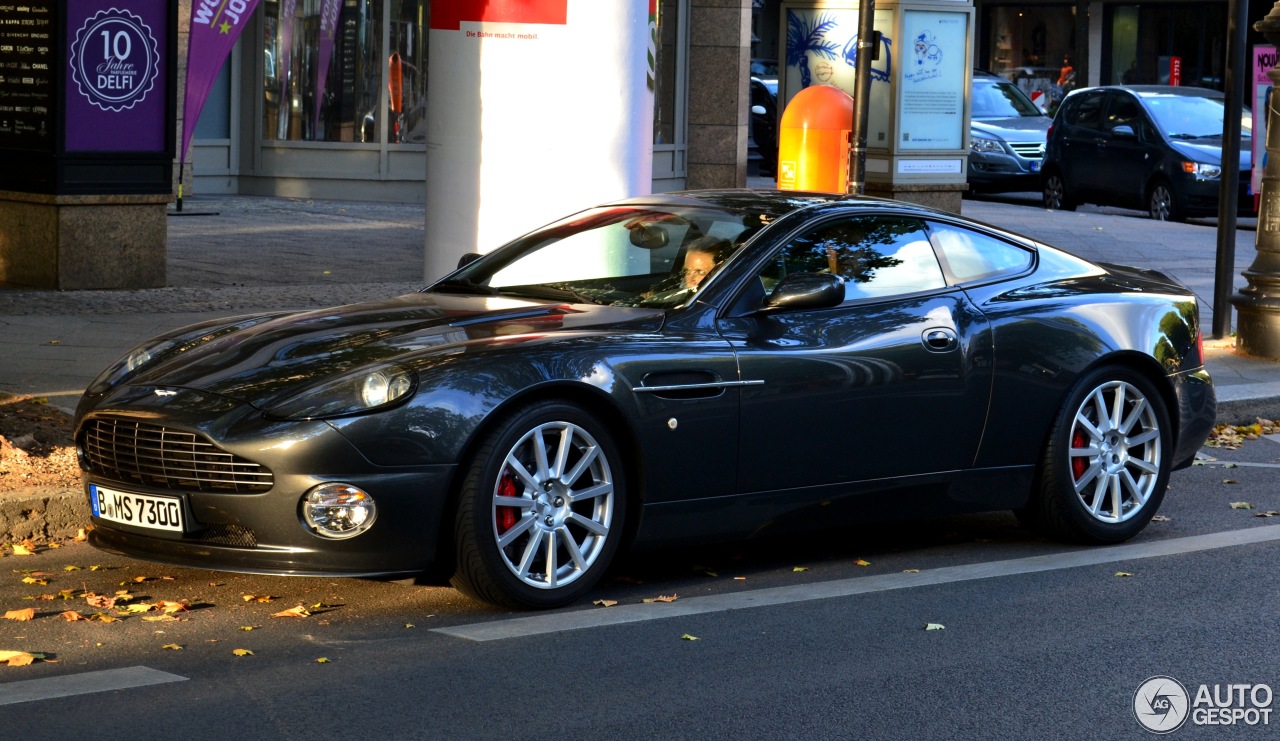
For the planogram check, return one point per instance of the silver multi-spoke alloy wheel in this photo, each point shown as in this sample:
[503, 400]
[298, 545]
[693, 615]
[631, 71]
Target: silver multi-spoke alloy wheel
[1115, 452]
[553, 505]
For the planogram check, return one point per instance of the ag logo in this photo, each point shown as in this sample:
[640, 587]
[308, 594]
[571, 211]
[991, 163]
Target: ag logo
[115, 60]
[1161, 704]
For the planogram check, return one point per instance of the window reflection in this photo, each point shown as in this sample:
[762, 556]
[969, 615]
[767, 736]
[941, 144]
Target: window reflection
[327, 63]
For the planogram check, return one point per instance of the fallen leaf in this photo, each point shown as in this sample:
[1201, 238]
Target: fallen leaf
[1123, 573]
[171, 647]
[605, 602]
[1161, 518]
[96, 568]
[687, 637]
[16, 658]
[710, 573]
[124, 595]
[739, 578]
[661, 598]
[911, 571]
[1230, 481]
[71, 567]
[1241, 505]
[410, 625]
[80, 536]
[32, 580]
[1271, 513]
[294, 612]
[247, 628]
[800, 568]
[140, 579]
[166, 618]
[103, 617]
[22, 550]
[97, 600]
[934, 626]
[242, 652]
[170, 606]
[140, 607]
[322, 660]
[72, 616]
[257, 597]
[861, 562]
[24, 614]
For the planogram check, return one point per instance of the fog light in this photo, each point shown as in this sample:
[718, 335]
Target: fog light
[338, 510]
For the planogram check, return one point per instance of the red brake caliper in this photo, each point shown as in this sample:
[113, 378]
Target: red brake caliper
[1078, 463]
[506, 516]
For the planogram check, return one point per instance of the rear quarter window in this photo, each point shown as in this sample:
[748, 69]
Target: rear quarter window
[970, 256]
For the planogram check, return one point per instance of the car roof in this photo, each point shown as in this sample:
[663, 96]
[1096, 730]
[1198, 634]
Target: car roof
[1146, 91]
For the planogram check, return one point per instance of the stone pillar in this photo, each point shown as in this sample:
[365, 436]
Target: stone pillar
[71, 242]
[719, 67]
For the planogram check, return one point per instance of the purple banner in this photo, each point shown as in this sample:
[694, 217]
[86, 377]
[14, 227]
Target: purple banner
[328, 32]
[117, 77]
[215, 26]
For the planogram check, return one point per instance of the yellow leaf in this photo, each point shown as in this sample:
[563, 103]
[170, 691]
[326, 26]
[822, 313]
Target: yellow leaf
[72, 616]
[687, 637]
[170, 606]
[861, 562]
[16, 658]
[103, 617]
[242, 652]
[33, 580]
[140, 579]
[96, 568]
[22, 550]
[171, 647]
[800, 568]
[80, 536]
[739, 578]
[605, 602]
[166, 618]
[247, 628]
[934, 626]
[322, 660]
[140, 607]
[661, 598]
[71, 567]
[23, 614]
[257, 597]
[1123, 573]
[124, 595]
[294, 612]
[1241, 505]
[410, 625]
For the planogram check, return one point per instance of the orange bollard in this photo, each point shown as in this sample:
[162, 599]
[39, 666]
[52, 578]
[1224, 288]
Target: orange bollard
[813, 140]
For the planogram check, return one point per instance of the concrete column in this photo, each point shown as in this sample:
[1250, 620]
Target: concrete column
[719, 67]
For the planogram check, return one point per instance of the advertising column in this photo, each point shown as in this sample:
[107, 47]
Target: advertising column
[538, 108]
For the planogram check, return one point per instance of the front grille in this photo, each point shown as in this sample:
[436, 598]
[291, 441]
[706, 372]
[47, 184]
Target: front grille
[1030, 150]
[144, 453]
[232, 535]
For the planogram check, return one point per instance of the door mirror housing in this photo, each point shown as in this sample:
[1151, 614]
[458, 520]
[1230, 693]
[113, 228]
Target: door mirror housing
[806, 291]
[468, 258]
[1123, 131]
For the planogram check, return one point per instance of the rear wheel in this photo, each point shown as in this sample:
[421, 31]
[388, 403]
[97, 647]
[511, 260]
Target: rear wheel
[541, 509]
[1055, 193]
[1162, 204]
[1106, 465]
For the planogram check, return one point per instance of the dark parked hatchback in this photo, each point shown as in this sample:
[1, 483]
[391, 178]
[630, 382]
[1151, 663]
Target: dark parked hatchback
[1153, 147]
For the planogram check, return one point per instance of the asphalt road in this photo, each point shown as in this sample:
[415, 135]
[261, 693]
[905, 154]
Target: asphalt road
[1040, 640]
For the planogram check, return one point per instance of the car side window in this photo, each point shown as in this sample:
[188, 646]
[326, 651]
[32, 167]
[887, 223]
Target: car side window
[971, 256]
[1087, 112]
[1124, 111]
[876, 255]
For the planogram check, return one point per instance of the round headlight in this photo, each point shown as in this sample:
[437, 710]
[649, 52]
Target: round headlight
[336, 510]
[384, 386]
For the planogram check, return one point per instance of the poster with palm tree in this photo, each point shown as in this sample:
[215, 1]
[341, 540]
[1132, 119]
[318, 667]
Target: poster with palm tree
[808, 35]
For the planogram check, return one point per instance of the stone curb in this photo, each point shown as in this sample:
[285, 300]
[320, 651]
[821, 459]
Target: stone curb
[41, 514]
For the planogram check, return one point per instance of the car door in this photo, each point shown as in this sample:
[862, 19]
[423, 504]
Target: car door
[1081, 157]
[886, 384]
[1124, 150]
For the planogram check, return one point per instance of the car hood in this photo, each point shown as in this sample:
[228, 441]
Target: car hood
[265, 363]
[1016, 129]
[1209, 151]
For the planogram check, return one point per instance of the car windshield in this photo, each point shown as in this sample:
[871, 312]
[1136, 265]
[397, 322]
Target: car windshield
[1188, 116]
[628, 255]
[1002, 100]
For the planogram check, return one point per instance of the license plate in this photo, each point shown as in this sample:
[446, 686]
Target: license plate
[139, 510]
[1035, 166]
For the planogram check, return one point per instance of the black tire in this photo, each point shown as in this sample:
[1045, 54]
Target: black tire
[1055, 194]
[1162, 203]
[577, 500]
[1111, 492]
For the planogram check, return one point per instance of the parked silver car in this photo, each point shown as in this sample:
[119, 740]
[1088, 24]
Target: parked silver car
[1007, 135]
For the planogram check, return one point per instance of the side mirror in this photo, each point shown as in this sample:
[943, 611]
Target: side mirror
[758, 110]
[468, 258]
[1123, 131]
[806, 291]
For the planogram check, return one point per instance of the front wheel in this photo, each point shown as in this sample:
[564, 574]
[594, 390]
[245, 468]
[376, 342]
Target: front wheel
[541, 509]
[1106, 465]
[1162, 204]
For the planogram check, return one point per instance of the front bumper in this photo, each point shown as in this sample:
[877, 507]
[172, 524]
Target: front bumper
[1001, 171]
[1197, 414]
[264, 532]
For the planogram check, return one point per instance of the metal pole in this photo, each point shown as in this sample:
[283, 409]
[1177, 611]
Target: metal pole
[1229, 187]
[862, 98]
[1258, 304]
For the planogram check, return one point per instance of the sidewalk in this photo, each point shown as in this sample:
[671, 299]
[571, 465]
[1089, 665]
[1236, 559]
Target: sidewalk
[233, 255]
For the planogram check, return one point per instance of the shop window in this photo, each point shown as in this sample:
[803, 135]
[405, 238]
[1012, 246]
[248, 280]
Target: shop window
[360, 82]
[666, 64]
[1031, 45]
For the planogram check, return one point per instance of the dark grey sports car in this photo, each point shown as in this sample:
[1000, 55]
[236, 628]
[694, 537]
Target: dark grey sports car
[667, 369]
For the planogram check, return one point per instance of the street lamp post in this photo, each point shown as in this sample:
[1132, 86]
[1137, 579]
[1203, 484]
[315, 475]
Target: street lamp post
[1258, 303]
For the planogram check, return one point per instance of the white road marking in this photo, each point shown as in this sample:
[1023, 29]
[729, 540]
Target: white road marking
[601, 617]
[83, 684]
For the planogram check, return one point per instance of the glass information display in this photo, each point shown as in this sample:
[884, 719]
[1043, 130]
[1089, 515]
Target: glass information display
[931, 91]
